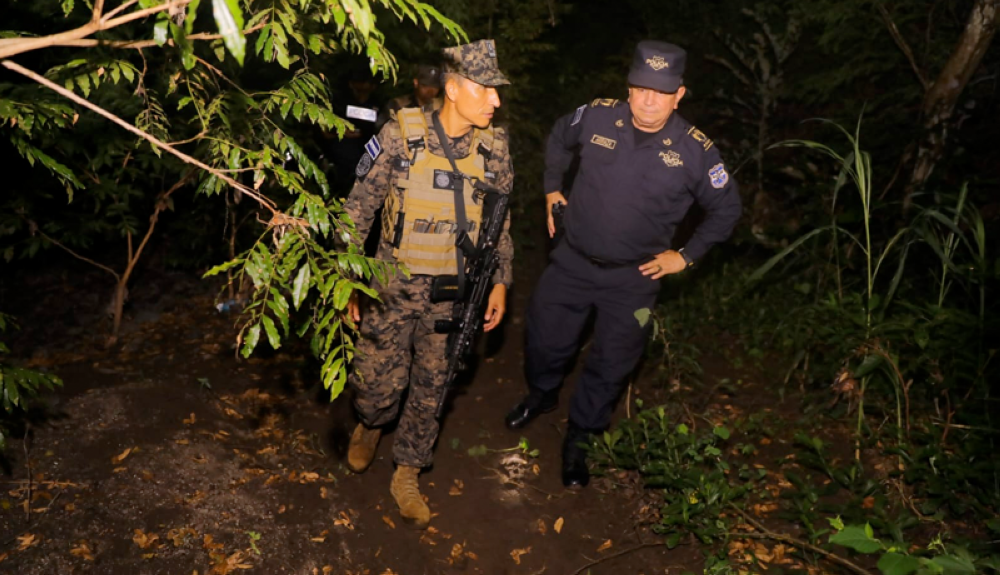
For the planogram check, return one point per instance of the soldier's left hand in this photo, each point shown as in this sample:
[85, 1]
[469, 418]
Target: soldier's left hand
[669, 262]
[496, 307]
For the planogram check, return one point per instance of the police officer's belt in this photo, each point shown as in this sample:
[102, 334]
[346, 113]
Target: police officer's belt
[606, 264]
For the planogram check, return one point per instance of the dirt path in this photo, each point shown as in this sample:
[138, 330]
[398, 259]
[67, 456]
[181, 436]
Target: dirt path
[170, 456]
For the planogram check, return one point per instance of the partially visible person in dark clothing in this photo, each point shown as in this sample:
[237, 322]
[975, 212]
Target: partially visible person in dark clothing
[426, 87]
[358, 105]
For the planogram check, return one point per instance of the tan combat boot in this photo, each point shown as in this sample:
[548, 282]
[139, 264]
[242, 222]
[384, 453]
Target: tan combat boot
[361, 452]
[406, 491]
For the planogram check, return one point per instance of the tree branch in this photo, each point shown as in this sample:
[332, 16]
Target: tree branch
[901, 42]
[14, 46]
[140, 44]
[98, 10]
[766, 533]
[119, 9]
[616, 555]
[34, 229]
[265, 202]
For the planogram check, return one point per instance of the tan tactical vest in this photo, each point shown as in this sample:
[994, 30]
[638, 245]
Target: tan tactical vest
[429, 228]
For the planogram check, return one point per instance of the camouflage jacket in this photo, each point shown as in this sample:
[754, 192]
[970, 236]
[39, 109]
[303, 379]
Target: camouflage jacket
[372, 186]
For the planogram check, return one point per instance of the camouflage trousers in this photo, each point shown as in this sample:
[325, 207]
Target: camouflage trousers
[398, 349]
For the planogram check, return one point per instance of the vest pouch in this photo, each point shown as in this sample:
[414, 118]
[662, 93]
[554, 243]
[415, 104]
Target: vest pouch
[444, 288]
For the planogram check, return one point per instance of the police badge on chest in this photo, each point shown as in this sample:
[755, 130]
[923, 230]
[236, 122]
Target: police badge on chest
[443, 180]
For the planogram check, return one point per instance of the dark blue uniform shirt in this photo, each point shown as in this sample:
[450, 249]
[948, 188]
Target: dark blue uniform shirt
[627, 200]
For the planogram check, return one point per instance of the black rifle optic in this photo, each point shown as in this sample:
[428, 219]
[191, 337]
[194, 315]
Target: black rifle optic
[481, 262]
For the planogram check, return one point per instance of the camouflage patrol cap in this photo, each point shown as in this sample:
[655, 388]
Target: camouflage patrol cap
[476, 61]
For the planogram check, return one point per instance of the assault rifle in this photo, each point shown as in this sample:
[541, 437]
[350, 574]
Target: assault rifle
[481, 262]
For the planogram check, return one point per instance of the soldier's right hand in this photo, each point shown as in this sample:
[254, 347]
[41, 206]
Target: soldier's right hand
[552, 199]
[354, 309]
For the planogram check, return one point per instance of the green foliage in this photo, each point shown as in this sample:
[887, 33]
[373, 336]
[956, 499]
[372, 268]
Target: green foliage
[18, 386]
[901, 559]
[246, 122]
[697, 483]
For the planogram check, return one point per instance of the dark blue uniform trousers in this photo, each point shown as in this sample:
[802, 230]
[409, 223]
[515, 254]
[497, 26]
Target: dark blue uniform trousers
[570, 289]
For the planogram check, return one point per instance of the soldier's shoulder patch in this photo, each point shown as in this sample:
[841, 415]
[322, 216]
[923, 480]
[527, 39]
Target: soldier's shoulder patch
[604, 103]
[364, 166]
[700, 137]
[373, 147]
[578, 115]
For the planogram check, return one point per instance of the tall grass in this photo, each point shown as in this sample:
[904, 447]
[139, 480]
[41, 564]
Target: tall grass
[956, 234]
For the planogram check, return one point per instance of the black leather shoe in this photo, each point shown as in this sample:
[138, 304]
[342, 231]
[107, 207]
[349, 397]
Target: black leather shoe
[523, 414]
[575, 474]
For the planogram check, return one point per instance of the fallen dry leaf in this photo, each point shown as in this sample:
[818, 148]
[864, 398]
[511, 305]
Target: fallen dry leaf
[516, 554]
[27, 540]
[121, 456]
[190, 420]
[344, 521]
[456, 489]
[604, 546]
[83, 551]
[388, 521]
[208, 542]
[559, 525]
[145, 540]
[542, 528]
[868, 503]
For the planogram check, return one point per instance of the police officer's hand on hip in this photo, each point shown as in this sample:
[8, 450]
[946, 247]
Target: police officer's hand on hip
[641, 167]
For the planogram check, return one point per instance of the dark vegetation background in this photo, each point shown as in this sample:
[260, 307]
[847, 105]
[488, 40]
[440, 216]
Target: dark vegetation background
[861, 284]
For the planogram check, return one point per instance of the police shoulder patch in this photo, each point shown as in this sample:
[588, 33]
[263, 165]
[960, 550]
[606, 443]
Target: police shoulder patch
[578, 115]
[718, 176]
[604, 102]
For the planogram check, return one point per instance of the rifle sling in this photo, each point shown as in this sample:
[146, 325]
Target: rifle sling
[458, 184]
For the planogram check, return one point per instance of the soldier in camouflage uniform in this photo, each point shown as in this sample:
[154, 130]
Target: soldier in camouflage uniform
[398, 348]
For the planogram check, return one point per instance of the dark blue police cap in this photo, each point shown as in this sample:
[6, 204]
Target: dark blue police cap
[657, 65]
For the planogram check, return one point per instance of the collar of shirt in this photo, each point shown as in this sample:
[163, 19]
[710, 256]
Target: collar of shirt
[670, 132]
[459, 146]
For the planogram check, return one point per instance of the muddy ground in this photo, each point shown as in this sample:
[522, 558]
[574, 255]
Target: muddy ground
[169, 455]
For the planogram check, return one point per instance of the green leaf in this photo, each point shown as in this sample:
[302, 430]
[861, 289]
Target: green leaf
[229, 19]
[955, 565]
[192, 15]
[250, 342]
[643, 316]
[854, 537]
[272, 332]
[160, 30]
[721, 432]
[898, 564]
[301, 285]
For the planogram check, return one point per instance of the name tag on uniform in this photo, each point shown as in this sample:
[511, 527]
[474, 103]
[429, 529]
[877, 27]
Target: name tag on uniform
[604, 142]
[358, 113]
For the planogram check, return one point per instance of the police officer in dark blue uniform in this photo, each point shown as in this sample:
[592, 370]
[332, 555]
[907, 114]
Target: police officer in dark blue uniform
[641, 167]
